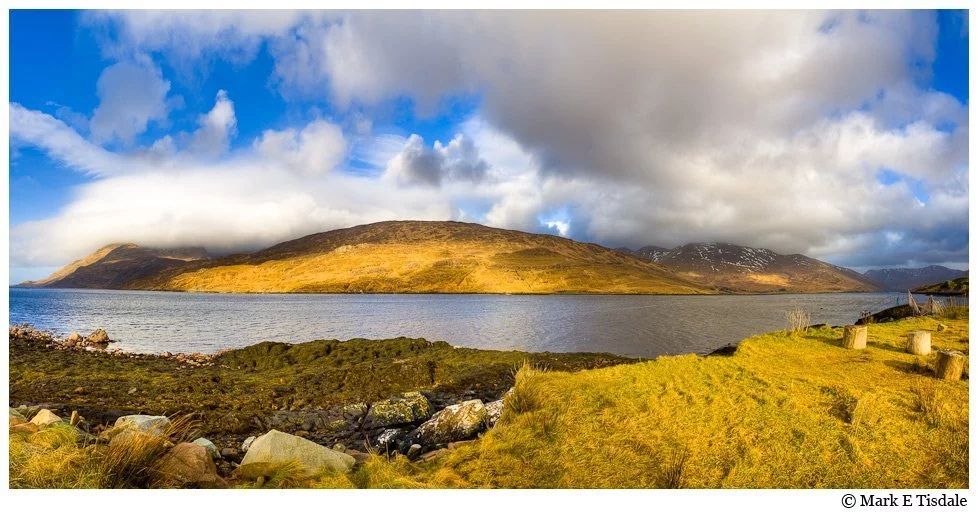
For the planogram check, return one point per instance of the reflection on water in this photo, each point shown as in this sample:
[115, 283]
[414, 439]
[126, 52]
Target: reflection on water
[643, 326]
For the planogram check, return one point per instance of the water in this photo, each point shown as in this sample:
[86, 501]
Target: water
[641, 326]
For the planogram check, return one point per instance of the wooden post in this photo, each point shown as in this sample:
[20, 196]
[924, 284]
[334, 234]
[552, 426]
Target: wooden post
[950, 365]
[918, 343]
[854, 337]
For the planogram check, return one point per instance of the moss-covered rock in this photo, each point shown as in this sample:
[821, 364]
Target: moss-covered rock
[409, 408]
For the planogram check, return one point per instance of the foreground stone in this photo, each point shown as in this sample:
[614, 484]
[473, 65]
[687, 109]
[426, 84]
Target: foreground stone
[454, 423]
[275, 448]
[45, 418]
[143, 423]
[409, 408]
[209, 446]
[189, 464]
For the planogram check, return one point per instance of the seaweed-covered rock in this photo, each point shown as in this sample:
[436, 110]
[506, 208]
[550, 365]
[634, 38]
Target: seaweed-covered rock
[277, 447]
[409, 408]
[99, 337]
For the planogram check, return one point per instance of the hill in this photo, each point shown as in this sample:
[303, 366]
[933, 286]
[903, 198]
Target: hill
[904, 279]
[115, 265]
[957, 286]
[745, 269]
[389, 257]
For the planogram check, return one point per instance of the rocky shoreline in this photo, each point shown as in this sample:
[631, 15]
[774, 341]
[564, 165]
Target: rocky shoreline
[410, 397]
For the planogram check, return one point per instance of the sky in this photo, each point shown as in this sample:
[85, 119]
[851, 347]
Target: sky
[839, 135]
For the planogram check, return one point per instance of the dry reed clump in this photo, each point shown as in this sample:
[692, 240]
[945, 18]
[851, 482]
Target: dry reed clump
[57, 458]
[798, 320]
[526, 393]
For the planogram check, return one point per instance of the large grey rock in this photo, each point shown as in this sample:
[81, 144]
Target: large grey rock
[209, 446]
[454, 423]
[46, 418]
[277, 447]
[409, 408]
[143, 423]
[494, 411]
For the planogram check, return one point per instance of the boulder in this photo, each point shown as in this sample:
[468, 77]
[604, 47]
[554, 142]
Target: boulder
[454, 423]
[389, 438]
[189, 464]
[16, 417]
[494, 411]
[143, 423]
[409, 408]
[74, 337]
[46, 418]
[99, 337]
[247, 443]
[229, 452]
[277, 447]
[23, 428]
[209, 446]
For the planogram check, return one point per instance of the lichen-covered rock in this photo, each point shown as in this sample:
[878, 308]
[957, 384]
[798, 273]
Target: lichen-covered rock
[454, 423]
[389, 438]
[46, 418]
[354, 412]
[276, 447]
[142, 423]
[189, 464]
[409, 408]
[209, 446]
[494, 411]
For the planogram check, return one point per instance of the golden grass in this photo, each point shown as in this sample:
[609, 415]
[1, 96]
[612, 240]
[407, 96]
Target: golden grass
[785, 411]
[57, 458]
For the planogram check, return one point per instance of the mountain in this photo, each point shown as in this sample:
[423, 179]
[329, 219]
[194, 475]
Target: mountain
[387, 257]
[744, 269]
[113, 266]
[904, 279]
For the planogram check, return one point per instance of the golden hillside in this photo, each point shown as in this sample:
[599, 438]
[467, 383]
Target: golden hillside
[425, 257]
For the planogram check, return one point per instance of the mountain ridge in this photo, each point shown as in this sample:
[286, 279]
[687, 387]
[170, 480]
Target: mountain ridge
[732, 267]
[455, 257]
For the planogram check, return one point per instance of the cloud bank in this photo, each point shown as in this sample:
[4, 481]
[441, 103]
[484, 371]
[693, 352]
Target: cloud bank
[810, 132]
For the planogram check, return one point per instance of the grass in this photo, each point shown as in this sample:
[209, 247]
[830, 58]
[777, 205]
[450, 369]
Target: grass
[58, 457]
[785, 411]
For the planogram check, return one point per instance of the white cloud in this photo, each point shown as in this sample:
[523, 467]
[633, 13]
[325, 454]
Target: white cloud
[315, 150]
[131, 95]
[217, 128]
[761, 128]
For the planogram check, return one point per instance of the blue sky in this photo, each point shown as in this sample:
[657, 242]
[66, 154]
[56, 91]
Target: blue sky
[247, 129]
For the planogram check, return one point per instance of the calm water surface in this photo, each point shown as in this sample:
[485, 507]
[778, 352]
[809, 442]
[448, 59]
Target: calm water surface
[643, 326]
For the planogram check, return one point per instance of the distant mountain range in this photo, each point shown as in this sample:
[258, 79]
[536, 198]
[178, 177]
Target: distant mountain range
[904, 279]
[454, 257]
[736, 268]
